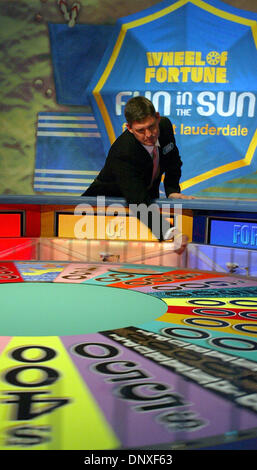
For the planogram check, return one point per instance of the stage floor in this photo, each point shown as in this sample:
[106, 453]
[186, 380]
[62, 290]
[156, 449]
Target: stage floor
[112, 355]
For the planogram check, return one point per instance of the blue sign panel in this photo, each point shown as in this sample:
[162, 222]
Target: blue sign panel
[196, 61]
[234, 233]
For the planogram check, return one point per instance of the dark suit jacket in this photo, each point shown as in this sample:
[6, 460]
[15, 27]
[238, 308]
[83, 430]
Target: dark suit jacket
[128, 168]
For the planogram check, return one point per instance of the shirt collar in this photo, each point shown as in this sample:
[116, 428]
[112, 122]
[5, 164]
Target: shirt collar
[150, 148]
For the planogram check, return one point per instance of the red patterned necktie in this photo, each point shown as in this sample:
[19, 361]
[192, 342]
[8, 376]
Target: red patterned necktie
[155, 163]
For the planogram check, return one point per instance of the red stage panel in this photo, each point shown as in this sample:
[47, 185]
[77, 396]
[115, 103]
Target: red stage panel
[30, 225]
[10, 224]
[17, 249]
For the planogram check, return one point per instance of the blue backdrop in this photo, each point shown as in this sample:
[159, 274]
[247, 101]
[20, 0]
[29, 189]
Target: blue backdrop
[195, 60]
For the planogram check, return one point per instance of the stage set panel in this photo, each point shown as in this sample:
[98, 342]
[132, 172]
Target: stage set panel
[222, 233]
[87, 229]
[120, 344]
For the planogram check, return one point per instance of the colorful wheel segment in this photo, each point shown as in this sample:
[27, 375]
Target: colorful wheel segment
[106, 356]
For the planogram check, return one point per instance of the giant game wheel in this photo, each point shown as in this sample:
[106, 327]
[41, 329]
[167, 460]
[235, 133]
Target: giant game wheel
[106, 356]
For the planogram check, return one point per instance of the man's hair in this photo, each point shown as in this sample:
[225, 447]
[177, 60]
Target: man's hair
[138, 108]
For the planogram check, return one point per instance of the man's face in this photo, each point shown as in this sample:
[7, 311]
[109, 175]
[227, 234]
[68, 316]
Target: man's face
[147, 130]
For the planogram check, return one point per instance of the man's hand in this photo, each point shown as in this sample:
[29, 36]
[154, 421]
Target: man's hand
[180, 240]
[180, 196]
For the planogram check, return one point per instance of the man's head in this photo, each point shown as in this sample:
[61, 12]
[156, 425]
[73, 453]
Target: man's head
[142, 120]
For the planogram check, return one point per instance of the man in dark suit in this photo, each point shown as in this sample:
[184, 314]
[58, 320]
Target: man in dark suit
[139, 157]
